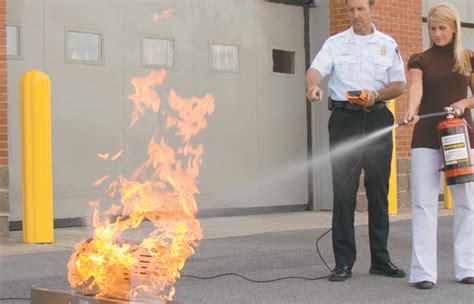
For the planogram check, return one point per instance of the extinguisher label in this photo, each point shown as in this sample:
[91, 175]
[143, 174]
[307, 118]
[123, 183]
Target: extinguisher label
[454, 148]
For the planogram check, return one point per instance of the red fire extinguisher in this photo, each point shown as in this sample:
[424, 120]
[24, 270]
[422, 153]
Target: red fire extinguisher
[454, 141]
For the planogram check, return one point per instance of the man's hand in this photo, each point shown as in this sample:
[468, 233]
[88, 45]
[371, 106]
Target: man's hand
[314, 93]
[369, 101]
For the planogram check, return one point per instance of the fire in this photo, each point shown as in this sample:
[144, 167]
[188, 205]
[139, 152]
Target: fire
[165, 14]
[116, 156]
[145, 96]
[103, 156]
[162, 192]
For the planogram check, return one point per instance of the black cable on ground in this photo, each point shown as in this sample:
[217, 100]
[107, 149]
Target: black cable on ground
[317, 247]
[252, 280]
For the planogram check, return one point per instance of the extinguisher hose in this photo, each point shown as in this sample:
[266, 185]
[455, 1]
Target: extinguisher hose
[437, 114]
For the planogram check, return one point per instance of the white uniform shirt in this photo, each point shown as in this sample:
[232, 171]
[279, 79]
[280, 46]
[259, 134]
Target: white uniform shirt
[354, 65]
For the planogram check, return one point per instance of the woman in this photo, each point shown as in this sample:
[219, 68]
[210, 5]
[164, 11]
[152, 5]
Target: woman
[439, 77]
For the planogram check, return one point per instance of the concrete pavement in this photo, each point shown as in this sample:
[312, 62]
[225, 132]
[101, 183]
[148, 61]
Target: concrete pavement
[260, 247]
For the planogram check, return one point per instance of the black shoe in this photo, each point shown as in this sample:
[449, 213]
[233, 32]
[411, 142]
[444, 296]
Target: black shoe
[389, 270]
[468, 280]
[340, 273]
[424, 285]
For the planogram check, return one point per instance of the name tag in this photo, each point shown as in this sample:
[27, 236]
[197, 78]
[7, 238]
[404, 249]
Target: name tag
[345, 59]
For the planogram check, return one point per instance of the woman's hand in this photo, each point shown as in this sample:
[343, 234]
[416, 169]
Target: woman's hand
[411, 117]
[459, 107]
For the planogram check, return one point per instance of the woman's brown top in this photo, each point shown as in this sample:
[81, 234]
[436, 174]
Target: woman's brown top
[441, 88]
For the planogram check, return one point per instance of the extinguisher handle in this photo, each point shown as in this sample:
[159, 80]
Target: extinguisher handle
[457, 112]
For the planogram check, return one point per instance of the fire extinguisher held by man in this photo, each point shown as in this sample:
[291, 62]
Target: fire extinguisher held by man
[366, 72]
[439, 77]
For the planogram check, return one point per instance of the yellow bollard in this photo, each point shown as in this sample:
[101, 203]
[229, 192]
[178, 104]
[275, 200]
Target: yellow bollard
[448, 199]
[36, 172]
[392, 192]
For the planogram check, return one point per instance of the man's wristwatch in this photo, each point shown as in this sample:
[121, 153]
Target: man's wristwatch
[377, 96]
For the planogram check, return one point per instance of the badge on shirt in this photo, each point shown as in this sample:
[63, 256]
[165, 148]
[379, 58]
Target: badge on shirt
[383, 50]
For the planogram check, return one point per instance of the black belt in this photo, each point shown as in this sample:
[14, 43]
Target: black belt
[337, 104]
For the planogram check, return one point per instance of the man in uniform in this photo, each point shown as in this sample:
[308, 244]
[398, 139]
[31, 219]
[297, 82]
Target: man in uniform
[360, 58]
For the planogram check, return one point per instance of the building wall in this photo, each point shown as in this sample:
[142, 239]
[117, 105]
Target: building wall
[4, 180]
[256, 139]
[322, 181]
[400, 19]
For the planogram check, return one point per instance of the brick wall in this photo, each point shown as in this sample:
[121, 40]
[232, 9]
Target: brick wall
[400, 19]
[4, 180]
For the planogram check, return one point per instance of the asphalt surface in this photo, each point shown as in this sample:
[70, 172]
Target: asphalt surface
[268, 256]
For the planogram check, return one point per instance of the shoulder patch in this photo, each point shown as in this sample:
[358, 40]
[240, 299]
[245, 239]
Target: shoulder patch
[397, 51]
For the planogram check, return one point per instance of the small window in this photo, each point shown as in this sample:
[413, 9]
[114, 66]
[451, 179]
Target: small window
[83, 47]
[283, 62]
[158, 52]
[13, 41]
[224, 57]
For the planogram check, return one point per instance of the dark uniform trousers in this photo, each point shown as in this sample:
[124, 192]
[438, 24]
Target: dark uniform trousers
[375, 159]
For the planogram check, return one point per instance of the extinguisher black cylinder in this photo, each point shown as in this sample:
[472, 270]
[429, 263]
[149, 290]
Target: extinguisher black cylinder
[459, 179]
[456, 149]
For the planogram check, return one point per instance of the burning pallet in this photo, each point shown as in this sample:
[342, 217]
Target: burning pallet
[50, 296]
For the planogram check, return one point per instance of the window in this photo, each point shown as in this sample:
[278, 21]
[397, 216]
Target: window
[83, 47]
[224, 57]
[283, 61]
[297, 2]
[13, 41]
[157, 52]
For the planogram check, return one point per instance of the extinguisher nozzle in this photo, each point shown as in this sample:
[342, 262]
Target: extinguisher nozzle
[450, 112]
[403, 122]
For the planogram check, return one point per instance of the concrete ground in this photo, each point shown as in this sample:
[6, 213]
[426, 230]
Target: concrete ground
[260, 247]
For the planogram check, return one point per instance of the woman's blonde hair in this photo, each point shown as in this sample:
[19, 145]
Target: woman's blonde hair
[446, 13]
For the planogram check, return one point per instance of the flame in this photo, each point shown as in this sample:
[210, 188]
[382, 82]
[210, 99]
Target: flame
[112, 189]
[113, 210]
[101, 180]
[145, 96]
[95, 203]
[161, 191]
[103, 156]
[117, 155]
[165, 14]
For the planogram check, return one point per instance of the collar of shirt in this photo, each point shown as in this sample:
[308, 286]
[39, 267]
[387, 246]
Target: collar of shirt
[351, 36]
